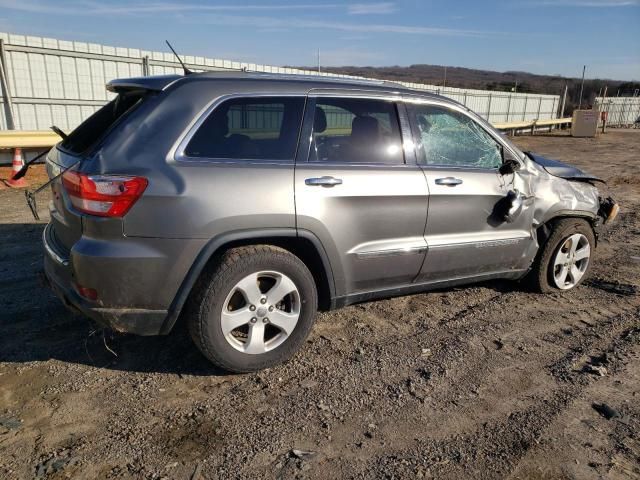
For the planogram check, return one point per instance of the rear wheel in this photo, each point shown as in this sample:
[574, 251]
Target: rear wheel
[563, 262]
[254, 309]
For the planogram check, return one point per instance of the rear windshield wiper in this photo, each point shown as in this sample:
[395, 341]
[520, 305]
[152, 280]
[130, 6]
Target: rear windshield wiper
[23, 171]
[63, 135]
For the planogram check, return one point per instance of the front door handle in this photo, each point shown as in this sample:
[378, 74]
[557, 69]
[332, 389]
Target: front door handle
[323, 181]
[448, 181]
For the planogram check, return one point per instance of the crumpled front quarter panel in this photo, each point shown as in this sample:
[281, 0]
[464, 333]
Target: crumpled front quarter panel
[555, 196]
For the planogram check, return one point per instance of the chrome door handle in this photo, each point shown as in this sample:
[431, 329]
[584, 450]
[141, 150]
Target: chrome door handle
[323, 181]
[449, 181]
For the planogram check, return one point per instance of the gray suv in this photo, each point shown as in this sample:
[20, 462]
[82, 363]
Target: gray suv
[241, 203]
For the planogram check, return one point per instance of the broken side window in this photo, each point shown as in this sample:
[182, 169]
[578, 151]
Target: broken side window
[450, 138]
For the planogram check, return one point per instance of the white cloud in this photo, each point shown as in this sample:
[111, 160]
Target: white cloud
[587, 3]
[304, 23]
[92, 7]
[87, 7]
[371, 8]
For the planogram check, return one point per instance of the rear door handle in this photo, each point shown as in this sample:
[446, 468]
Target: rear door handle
[323, 181]
[449, 181]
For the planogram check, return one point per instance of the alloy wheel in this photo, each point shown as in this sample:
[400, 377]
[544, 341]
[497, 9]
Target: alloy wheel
[571, 261]
[260, 312]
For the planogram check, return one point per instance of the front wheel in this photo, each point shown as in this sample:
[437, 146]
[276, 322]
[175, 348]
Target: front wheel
[563, 262]
[254, 309]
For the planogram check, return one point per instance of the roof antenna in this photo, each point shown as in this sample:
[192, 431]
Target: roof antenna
[184, 67]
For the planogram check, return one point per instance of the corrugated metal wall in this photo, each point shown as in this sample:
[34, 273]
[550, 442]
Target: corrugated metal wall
[62, 82]
[621, 110]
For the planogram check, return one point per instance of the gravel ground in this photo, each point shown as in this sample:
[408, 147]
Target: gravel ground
[487, 381]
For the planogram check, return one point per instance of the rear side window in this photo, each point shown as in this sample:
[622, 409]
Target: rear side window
[97, 125]
[250, 128]
[356, 130]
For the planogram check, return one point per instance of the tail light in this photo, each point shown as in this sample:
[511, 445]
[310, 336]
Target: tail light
[88, 293]
[103, 195]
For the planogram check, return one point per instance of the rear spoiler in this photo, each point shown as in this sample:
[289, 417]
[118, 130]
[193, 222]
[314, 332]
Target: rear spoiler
[156, 83]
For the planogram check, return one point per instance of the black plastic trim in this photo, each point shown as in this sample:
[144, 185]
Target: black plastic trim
[351, 299]
[241, 235]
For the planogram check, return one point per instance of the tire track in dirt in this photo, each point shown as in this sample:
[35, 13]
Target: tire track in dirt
[510, 437]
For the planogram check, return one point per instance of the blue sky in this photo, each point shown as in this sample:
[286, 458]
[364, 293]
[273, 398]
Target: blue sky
[540, 36]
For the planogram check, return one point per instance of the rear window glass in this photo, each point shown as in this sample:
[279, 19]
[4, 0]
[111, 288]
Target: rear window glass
[250, 128]
[94, 127]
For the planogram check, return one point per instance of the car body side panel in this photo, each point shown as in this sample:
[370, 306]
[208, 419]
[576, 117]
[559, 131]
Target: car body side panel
[133, 272]
[206, 199]
[372, 224]
[463, 234]
[374, 221]
[555, 196]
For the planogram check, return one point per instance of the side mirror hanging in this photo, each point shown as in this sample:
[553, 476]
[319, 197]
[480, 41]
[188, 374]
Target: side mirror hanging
[509, 166]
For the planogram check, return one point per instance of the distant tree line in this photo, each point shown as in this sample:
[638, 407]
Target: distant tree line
[498, 81]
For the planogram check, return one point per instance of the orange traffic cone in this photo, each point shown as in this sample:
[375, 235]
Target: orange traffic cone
[17, 164]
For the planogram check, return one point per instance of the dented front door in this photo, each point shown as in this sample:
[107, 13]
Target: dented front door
[466, 233]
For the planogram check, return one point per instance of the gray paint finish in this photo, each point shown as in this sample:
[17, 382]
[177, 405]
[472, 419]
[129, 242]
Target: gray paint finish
[381, 230]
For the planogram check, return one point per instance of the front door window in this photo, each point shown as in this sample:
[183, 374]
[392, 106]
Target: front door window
[451, 139]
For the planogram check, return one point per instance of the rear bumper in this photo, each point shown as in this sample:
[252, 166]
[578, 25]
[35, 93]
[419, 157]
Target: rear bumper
[60, 276]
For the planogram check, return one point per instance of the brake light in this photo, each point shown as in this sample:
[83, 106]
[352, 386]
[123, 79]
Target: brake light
[103, 195]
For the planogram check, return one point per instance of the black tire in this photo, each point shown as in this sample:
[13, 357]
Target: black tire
[540, 278]
[205, 307]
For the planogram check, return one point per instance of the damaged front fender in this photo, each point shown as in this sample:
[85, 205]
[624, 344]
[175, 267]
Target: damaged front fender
[556, 196]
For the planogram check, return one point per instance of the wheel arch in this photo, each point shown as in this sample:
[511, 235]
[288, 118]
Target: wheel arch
[537, 275]
[543, 231]
[304, 244]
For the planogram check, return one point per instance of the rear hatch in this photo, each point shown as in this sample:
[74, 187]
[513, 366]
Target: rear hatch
[81, 144]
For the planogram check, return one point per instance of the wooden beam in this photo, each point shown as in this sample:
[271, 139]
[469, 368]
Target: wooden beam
[27, 139]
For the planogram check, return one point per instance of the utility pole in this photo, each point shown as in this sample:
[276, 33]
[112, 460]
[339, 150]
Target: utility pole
[318, 60]
[584, 67]
[444, 84]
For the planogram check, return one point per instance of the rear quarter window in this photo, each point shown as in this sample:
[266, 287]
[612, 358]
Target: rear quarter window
[250, 128]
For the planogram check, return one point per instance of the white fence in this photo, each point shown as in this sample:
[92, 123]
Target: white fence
[620, 110]
[59, 82]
